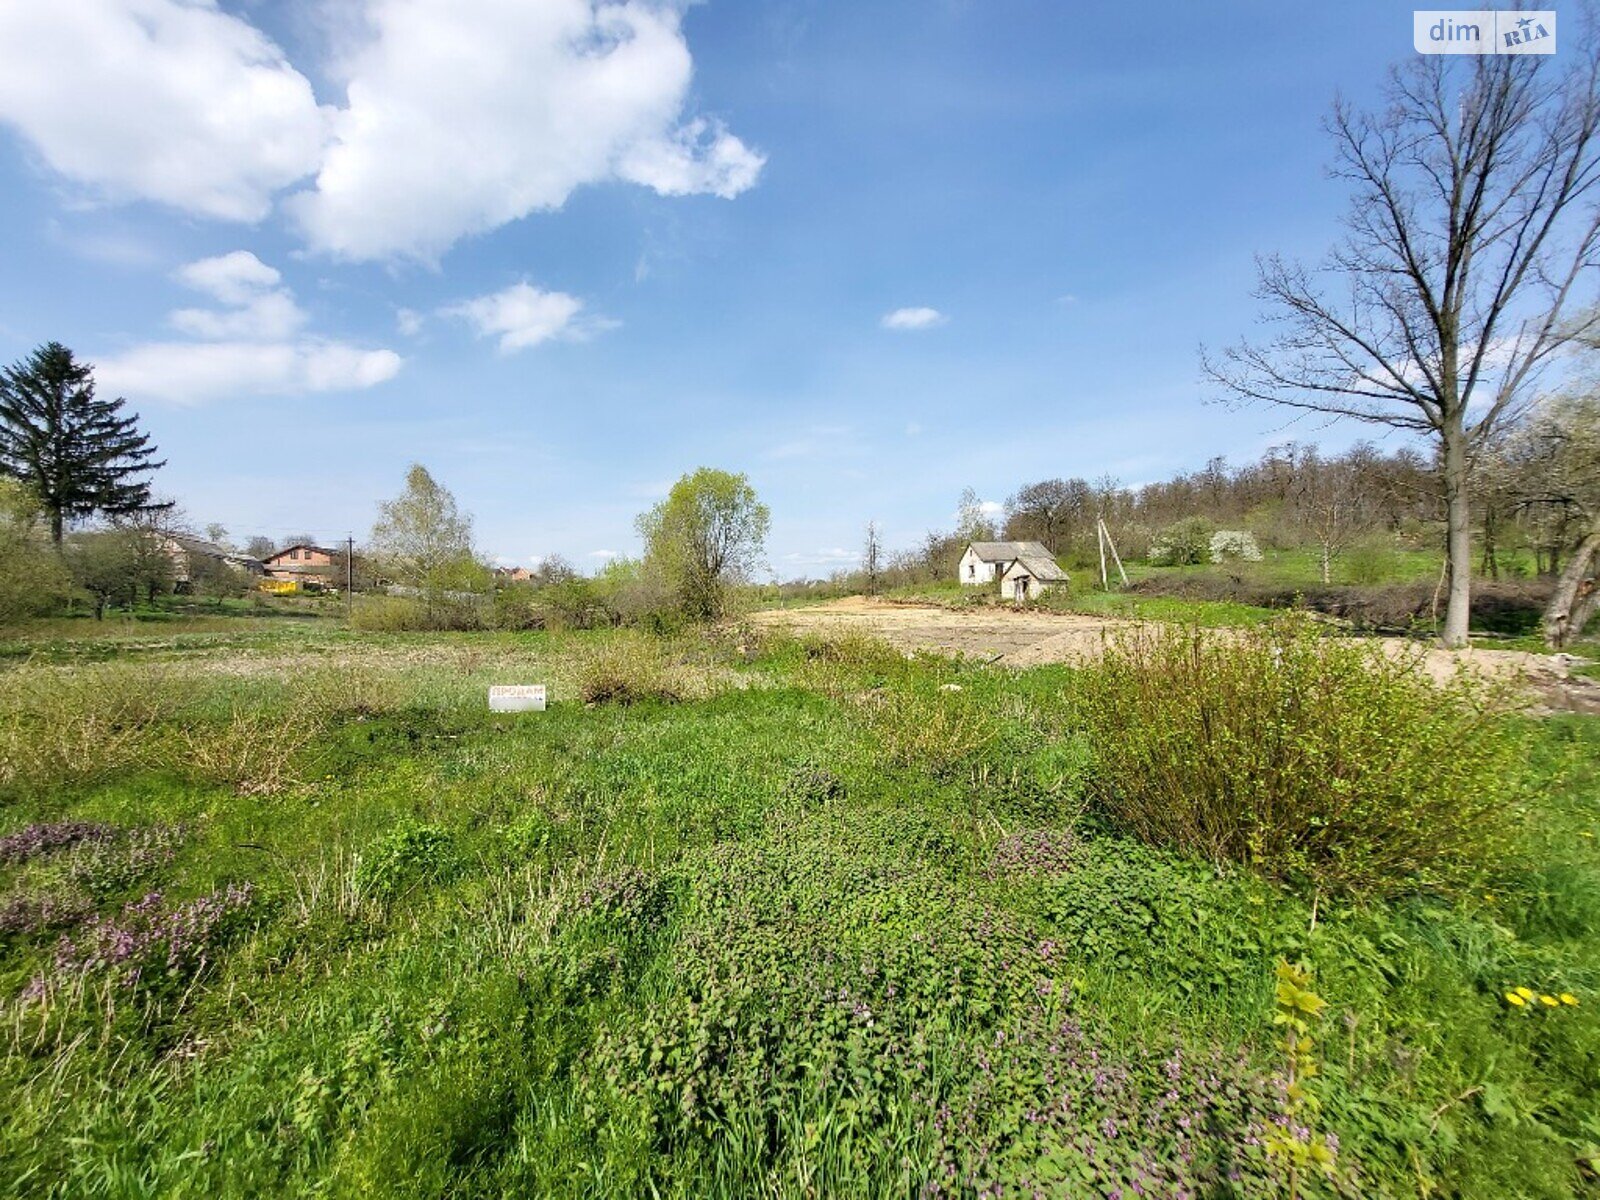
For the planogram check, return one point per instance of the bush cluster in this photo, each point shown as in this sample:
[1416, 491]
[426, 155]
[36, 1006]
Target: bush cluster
[1318, 761]
[1497, 606]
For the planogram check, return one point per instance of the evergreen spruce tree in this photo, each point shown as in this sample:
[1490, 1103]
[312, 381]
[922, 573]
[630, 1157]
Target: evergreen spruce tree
[77, 454]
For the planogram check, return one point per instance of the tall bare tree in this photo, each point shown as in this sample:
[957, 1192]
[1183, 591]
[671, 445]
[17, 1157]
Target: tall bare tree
[1472, 227]
[1049, 511]
[872, 558]
[1330, 500]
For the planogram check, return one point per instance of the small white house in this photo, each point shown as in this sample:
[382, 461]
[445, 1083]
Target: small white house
[1024, 569]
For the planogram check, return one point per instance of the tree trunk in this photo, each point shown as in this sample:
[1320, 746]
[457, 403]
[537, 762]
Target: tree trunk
[55, 526]
[1327, 563]
[1573, 601]
[1458, 538]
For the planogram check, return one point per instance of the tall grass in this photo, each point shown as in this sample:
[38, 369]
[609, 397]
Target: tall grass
[838, 933]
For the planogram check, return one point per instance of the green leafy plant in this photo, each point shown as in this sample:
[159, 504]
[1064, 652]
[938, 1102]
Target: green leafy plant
[408, 855]
[1293, 1142]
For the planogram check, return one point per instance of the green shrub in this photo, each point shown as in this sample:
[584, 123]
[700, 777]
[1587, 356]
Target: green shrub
[408, 855]
[1325, 763]
[1370, 561]
[1183, 543]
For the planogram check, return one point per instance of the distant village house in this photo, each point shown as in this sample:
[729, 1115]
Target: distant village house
[1024, 570]
[309, 568]
[190, 555]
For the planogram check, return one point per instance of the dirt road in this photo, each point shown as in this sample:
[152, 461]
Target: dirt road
[1028, 638]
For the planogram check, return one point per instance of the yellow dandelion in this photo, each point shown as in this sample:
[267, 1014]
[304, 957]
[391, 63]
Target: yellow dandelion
[1549, 1002]
[1515, 999]
[1526, 993]
[1568, 998]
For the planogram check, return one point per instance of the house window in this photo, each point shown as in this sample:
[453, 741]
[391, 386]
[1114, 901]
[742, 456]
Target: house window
[972, 570]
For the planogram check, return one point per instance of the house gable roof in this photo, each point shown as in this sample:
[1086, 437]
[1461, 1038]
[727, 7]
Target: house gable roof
[1042, 567]
[273, 558]
[997, 552]
[194, 545]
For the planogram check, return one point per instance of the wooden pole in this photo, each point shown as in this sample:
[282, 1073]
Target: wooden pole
[1106, 530]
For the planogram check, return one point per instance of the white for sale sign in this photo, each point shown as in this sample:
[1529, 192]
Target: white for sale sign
[517, 697]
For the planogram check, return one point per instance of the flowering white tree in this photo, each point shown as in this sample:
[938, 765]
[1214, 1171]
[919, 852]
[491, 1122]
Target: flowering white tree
[1234, 545]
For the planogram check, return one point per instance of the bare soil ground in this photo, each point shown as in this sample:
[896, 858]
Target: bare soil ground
[1028, 638]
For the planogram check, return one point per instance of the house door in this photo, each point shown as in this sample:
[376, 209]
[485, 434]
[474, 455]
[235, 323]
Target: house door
[1020, 587]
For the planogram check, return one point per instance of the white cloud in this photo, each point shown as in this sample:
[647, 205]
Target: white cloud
[462, 117]
[194, 372]
[235, 278]
[257, 309]
[251, 344]
[458, 117]
[832, 556]
[913, 318]
[408, 321]
[523, 315]
[991, 508]
[166, 100]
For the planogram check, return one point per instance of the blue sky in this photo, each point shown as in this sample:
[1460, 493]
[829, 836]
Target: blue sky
[562, 255]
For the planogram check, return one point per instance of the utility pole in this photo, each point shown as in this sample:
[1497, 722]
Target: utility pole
[349, 575]
[1104, 536]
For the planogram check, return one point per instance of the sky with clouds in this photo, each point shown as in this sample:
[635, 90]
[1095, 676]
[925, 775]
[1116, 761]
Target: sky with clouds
[562, 252]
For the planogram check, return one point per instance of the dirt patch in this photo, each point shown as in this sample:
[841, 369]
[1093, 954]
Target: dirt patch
[1029, 638]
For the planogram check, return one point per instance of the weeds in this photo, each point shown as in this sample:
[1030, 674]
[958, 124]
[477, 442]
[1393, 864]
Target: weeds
[252, 752]
[408, 855]
[627, 667]
[937, 731]
[42, 838]
[147, 949]
[62, 727]
[844, 932]
[109, 865]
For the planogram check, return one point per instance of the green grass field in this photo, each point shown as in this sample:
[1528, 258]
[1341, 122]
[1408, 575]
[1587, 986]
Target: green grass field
[285, 911]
